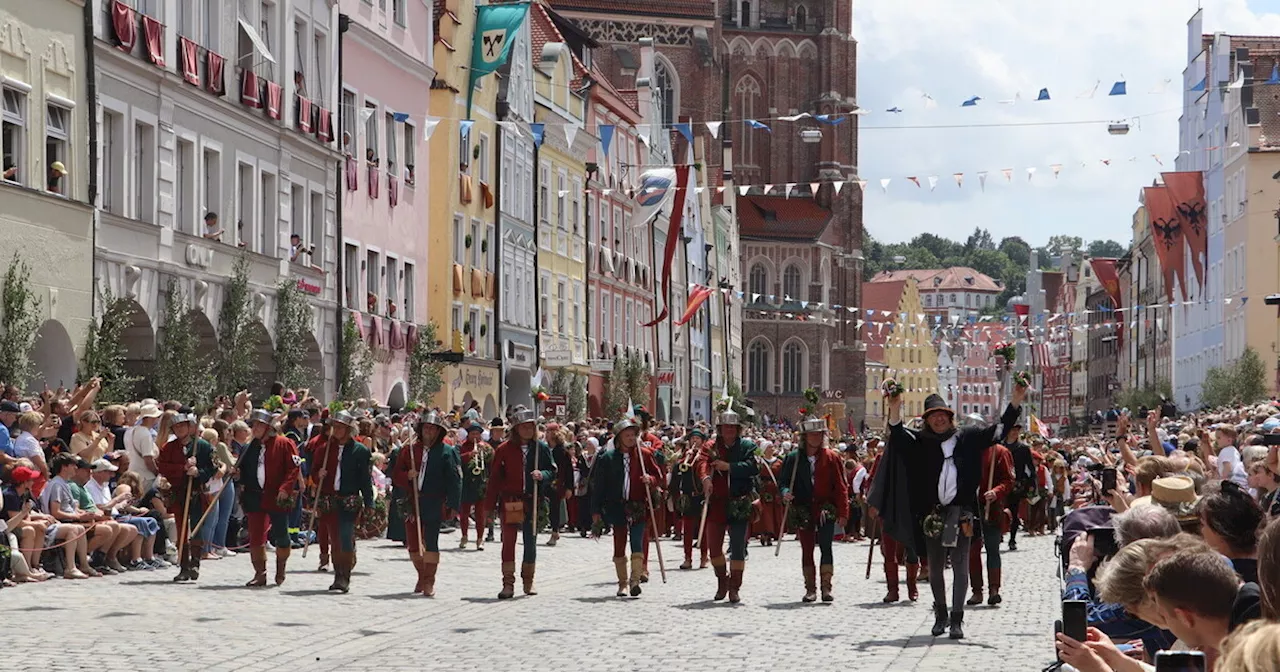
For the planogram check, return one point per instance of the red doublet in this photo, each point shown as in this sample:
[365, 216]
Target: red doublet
[507, 474]
[651, 468]
[330, 453]
[1002, 482]
[281, 466]
[829, 485]
[400, 472]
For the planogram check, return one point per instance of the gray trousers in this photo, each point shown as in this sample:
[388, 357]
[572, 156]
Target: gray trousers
[937, 557]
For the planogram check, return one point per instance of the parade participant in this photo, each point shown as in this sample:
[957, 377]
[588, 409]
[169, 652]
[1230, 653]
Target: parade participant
[652, 441]
[497, 436]
[936, 472]
[476, 455]
[311, 454]
[520, 466]
[817, 492]
[687, 490]
[997, 481]
[623, 478]
[267, 478]
[768, 527]
[187, 463]
[727, 470]
[895, 553]
[430, 472]
[1024, 480]
[346, 486]
[562, 488]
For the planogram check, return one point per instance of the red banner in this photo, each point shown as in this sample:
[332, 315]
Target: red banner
[250, 89]
[1166, 229]
[215, 67]
[350, 171]
[697, 297]
[189, 52]
[673, 237]
[1186, 190]
[125, 24]
[324, 126]
[153, 30]
[304, 115]
[275, 96]
[1108, 277]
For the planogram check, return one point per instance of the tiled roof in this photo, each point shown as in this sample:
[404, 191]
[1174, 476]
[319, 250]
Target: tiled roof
[543, 30]
[938, 279]
[699, 9]
[880, 296]
[777, 217]
[1051, 281]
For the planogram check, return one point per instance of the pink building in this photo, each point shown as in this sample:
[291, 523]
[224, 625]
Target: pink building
[388, 69]
[977, 381]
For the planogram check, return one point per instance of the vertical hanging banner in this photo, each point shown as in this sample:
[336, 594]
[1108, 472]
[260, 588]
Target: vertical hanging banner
[1108, 277]
[1186, 190]
[1166, 229]
[697, 297]
[655, 189]
[495, 31]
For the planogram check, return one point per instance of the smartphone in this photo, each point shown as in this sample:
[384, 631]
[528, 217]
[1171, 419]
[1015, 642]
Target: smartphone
[1108, 480]
[1104, 541]
[1180, 661]
[1271, 439]
[1074, 615]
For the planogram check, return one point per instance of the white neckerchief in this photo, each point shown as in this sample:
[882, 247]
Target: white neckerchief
[813, 469]
[337, 470]
[422, 468]
[262, 464]
[626, 475]
[947, 480]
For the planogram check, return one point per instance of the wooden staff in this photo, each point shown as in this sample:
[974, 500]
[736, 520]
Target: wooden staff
[991, 479]
[871, 551]
[535, 448]
[653, 517]
[786, 509]
[186, 517]
[315, 498]
[417, 510]
[225, 483]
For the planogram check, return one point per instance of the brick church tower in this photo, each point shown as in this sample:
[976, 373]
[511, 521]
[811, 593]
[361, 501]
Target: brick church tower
[734, 60]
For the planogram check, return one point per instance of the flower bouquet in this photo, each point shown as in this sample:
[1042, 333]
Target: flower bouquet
[798, 516]
[739, 509]
[540, 393]
[827, 514]
[635, 511]
[1007, 351]
[892, 388]
[274, 403]
[1022, 379]
[932, 525]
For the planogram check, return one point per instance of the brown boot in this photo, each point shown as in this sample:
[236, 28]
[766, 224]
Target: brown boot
[258, 556]
[282, 560]
[637, 573]
[827, 572]
[430, 563]
[620, 568]
[995, 598]
[736, 568]
[975, 580]
[508, 581]
[702, 564]
[891, 578]
[722, 577]
[336, 556]
[417, 566]
[810, 585]
[324, 561]
[913, 575]
[348, 562]
[526, 577]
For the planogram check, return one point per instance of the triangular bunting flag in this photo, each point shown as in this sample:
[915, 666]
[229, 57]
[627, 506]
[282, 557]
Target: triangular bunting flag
[1031, 172]
[982, 180]
[1056, 168]
[884, 184]
[1008, 174]
[914, 180]
[538, 131]
[813, 189]
[1044, 95]
[714, 127]
[432, 122]
[1118, 89]
[959, 178]
[570, 132]
[606, 136]
[1090, 92]
[933, 182]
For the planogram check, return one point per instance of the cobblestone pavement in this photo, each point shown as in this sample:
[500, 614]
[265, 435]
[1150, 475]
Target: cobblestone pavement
[141, 620]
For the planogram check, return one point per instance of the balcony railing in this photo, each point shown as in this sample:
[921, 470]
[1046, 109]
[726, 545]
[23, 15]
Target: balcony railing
[811, 22]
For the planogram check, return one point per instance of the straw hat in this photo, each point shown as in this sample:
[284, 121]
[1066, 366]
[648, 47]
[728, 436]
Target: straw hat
[1175, 493]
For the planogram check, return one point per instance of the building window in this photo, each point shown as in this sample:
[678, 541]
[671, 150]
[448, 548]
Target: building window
[455, 322]
[373, 276]
[758, 356]
[748, 97]
[759, 281]
[464, 148]
[606, 327]
[144, 202]
[113, 165]
[397, 12]
[477, 257]
[184, 188]
[392, 148]
[484, 158]
[266, 30]
[459, 241]
[393, 278]
[561, 307]
[349, 112]
[792, 368]
[315, 254]
[212, 186]
[544, 300]
[268, 217]
[664, 82]
[320, 59]
[619, 329]
[491, 258]
[409, 294]
[57, 125]
[576, 212]
[791, 283]
[544, 189]
[351, 276]
[577, 311]
[371, 133]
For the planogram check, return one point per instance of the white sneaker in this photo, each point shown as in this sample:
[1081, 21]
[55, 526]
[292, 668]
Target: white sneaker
[225, 552]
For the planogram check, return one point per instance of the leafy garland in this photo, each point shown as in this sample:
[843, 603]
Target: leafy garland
[812, 403]
[426, 373]
[1005, 350]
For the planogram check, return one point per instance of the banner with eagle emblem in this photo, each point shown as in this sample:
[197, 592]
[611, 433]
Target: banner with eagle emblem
[1166, 230]
[1186, 190]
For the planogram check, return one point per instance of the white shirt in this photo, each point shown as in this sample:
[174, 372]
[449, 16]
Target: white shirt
[422, 469]
[100, 493]
[858, 477]
[139, 443]
[262, 465]
[813, 469]
[1229, 461]
[337, 470]
[27, 445]
[626, 475]
[948, 480]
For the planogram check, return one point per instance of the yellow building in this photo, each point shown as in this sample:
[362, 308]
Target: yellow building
[899, 346]
[462, 236]
[559, 197]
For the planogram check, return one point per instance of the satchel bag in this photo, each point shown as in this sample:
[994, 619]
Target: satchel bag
[513, 513]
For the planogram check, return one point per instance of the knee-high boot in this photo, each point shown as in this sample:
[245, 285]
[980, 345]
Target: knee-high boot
[430, 563]
[891, 577]
[637, 573]
[258, 556]
[282, 561]
[827, 572]
[810, 584]
[736, 568]
[526, 577]
[913, 574]
[620, 568]
[508, 581]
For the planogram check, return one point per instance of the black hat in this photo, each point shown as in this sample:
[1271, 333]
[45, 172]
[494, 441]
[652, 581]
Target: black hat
[295, 413]
[498, 423]
[7, 406]
[933, 403]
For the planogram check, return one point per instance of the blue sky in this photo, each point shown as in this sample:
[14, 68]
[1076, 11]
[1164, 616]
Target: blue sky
[999, 49]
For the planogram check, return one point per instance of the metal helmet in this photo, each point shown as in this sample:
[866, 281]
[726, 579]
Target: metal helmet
[523, 415]
[185, 417]
[972, 420]
[260, 415]
[344, 417]
[624, 424]
[728, 417]
[810, 425]
[433, 418]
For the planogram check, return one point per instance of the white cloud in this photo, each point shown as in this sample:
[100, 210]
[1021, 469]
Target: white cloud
[994, 49]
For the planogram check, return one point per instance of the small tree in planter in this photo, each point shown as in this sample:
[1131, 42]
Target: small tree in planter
[235, 361]
[578, 397]
[104, 352]
[357, 362]
[18, 324]
[426, 373]
[182, 372]
[293, 327]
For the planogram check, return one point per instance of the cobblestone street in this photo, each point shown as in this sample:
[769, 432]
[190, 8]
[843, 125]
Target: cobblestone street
[141, 620]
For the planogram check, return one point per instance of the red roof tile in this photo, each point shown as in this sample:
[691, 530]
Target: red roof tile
[879, 297]
[543, 30]
[777, 217]
[956, 277]
[699, 9]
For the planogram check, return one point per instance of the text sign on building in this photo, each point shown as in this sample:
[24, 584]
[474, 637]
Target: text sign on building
[200, 257]
[557, 405]
[308, 287]
[665, 378]
[558, 358]
[835, 395]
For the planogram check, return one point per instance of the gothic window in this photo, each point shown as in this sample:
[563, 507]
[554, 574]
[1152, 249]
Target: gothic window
[802, 17]
[758, 363]
[667, 88]
[792, 368]
[748, 103]
[744, 16]
[759, 282]
[791, 283]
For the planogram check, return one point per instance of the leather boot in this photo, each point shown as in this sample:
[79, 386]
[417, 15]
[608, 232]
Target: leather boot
[810, 585]
[196, 550]
[995, 598]
[913, 575]
[637, 572]
[430, 563]
[827, 572]
[417, 566]
[722, 578]
[324, 561]
[957, 618]
[463, 542]
[975, 580]
[348, 564]
[620, 568]
[703, 563]
[336, 556]
[736, 568]
[939, 619]
[508, 581]
[891, 578]
[258, 556]
[282, 561]
[526, 577]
